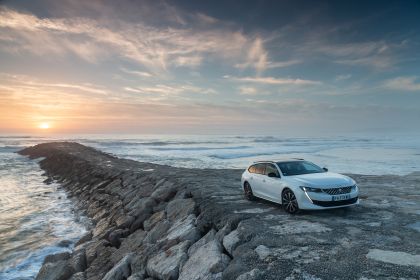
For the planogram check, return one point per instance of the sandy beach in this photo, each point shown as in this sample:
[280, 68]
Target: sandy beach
[160, 222]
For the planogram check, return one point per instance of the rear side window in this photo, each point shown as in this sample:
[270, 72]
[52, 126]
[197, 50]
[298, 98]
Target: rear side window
[251, 169]
[271, 169]
[260, 168]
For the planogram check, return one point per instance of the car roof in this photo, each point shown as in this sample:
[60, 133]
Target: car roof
[280, 160]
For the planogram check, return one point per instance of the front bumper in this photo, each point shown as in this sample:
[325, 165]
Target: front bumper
[319, 201]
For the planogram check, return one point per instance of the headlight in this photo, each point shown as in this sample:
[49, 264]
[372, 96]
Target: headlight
[309, 189]
[354, 187]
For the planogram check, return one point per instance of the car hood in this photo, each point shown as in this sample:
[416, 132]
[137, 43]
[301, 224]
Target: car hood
[321, 180]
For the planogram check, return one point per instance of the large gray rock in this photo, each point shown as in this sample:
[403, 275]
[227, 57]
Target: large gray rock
[56, 257]
[164, 192]
[130, 244]
[102, 226]
[85, 238]
[124, 221]
[203, 240]
[153, 220]
[59, 270]
[121, 270]
[78, 261]
[205, 263]
[231, 241]
[78, 276]
[143, 205]
[184, 229]
[180, 208]
[157, 232]
[166, 265]
[254, 274]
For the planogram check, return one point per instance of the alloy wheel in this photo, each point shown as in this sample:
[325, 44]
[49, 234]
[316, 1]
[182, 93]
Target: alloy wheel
[289, 202]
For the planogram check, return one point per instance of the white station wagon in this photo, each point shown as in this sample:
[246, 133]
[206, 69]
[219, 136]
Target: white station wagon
[298, 184]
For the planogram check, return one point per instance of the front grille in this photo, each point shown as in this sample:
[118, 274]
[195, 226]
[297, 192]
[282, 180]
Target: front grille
[335, 191]
[335, 203]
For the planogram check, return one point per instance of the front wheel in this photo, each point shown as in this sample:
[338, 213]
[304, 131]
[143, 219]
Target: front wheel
[289, 202]
[248, 192]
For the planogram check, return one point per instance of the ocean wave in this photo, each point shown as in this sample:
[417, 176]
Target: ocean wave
[200, 148]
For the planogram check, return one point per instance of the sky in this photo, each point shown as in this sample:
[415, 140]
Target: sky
[210, 67]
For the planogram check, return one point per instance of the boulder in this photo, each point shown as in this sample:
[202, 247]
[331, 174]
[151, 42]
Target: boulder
[85, 238]
[180, 208]
[78, 260]
[56, 257]
[138, 223]
[78, 276]
[231, 241]
[164, 192]
[139, 206]
[153, 220]
[204, 240]
[102, 226]
[254, 274]
[121, 270]
[124, 221]
[184, 229]
[157, 232]
[115, 237]
[205, 263]
[166, 264]
[59, 270]
[128, 245]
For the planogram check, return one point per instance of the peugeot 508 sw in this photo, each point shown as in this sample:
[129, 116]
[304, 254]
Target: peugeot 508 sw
[298, 184]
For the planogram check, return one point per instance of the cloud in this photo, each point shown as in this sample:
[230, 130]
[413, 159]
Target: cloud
[403, 83]
[373, 54]
[343, 77]
[248, 91]
[170, 90]
[137, 73]
[276, 81]
[156, 48]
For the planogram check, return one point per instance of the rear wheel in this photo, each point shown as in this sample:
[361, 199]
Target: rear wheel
[289, 202]
[248, 191]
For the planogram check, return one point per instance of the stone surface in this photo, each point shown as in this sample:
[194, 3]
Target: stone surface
[231, 241]
[78, 261]
[121, 270]
[184, 229]
[399, 258]
[153, 220]
[204, 240]
[205, 262]
[59, 270]
[57, 257]
[166, 264]
[180, 208]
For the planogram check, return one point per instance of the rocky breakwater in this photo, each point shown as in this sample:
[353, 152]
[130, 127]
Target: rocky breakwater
[159, 222]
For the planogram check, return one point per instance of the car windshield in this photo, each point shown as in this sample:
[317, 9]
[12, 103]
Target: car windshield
[291, 168]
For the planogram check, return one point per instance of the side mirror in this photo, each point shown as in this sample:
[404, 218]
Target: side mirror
[325, 169]
[272, 175]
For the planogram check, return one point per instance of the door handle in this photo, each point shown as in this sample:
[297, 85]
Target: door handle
[264, 180]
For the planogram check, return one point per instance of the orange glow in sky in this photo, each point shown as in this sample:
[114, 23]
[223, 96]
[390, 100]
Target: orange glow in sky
[44, 125]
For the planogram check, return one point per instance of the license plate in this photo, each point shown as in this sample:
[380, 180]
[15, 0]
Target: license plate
[340, 197]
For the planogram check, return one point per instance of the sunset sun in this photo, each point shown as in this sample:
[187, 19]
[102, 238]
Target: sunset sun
[44, 125]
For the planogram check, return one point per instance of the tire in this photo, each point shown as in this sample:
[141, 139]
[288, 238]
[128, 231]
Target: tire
[248, 192]
[289, 202]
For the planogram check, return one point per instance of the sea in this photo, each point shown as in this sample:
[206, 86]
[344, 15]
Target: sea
[37, 219]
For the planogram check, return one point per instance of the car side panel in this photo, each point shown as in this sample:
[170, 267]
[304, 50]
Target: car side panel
[274, 188]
